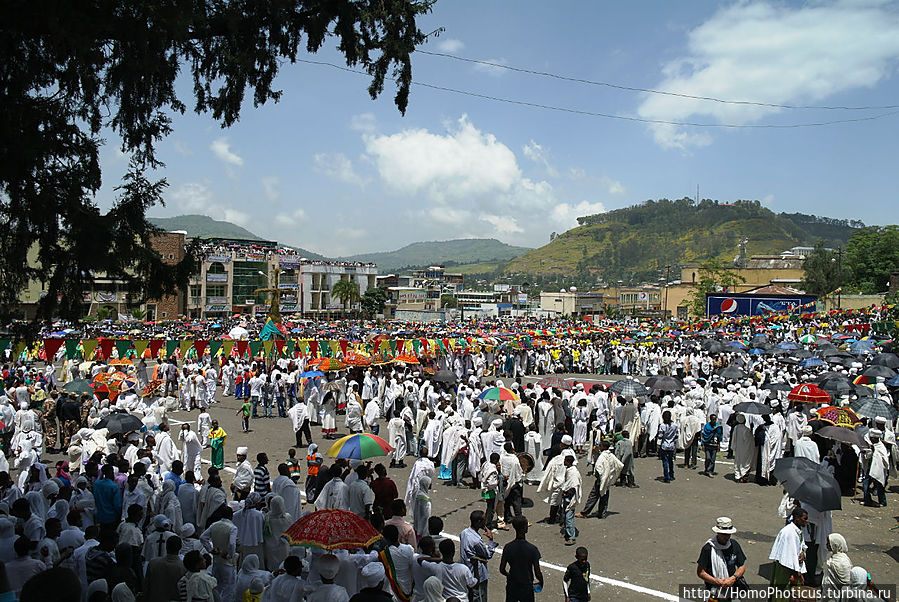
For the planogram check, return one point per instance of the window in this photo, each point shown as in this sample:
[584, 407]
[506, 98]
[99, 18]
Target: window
[196, 290]
[215, 268]
[217, 290]
[171, 255]
[164, 314]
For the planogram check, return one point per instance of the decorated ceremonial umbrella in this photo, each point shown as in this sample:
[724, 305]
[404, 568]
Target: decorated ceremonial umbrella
[356, 359]
[808, 393]
[121, 362]
[629, 387]
[872, 407]
[379, 359]
[498, 394]
[359, 446]
[78, 386]
[326, 364]
[153, 387]
[556, 382]
[808, 482]
[406, 358]
[838, 416]
[332, 530]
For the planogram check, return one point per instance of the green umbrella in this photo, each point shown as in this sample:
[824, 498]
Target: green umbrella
[78, 386]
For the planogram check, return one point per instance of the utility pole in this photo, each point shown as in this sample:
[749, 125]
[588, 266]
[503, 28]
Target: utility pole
[840, 278]
[667, 281]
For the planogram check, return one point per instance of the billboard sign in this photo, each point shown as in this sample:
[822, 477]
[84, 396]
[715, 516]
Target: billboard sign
[215, 258]
[753, 305]
[255, 257]
[411, 296]
[216, 277]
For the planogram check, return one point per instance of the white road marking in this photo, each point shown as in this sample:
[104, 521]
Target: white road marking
[606, 580]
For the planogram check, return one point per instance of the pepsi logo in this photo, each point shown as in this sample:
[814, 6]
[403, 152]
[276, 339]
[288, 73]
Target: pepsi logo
[728, 306]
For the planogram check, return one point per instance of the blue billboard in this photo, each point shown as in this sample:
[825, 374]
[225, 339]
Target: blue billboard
[743, 304]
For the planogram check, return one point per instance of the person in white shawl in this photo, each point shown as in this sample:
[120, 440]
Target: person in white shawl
[277, 521]
[718, 555]
[333, 494]
[284, 486]
[804, 447]
[165, 451]
[533, 444]
[475, 448]
[249, 570]
[553, 477]
[372, 415]
[353, 419]
[168, 505]
[743, 444]
[772, 449]
[837, 569]
[878, 469]
[396, 436]
[249, 521]
[191, 449]
[423, 467]
[25, 459]
[788, 552]
[421, 505]
[606, 470]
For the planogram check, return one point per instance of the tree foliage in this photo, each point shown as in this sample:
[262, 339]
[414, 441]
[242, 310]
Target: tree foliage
[713, 277]
[373, 301]
[823, 272]
[347, 291]
[872, 253]
[75, 71]
[449, 301]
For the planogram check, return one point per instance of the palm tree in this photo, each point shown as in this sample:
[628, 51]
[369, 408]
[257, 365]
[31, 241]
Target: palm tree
[347, 291]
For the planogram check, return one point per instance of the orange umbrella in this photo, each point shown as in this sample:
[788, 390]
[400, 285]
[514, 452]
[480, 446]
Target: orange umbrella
[121, 362]
[406, 358]
[325, 364]
[356, 359]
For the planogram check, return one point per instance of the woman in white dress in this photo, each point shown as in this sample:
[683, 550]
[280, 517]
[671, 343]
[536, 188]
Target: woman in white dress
[580, 416]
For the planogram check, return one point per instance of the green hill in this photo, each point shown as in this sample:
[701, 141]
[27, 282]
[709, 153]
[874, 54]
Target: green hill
[447, 252]
[637, 241]
[203, 226]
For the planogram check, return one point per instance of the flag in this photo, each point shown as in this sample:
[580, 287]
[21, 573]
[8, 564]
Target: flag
[271, 331]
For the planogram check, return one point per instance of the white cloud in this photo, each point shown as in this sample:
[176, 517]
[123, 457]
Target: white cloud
[221, 148]
[291, 219]
[612, 186]
[566, 215]
[183, 148]
[364, 122]
[271, 186]
[537, 154]
[493, 69]
[450, 45]
[234, 216]
[772, 53]
[191, 197]
[767, 200]
[337, 166]
[503, 224]
[347, 232]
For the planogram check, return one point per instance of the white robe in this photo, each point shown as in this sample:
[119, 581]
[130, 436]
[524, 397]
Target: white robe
[806, 448]
[787, 546]
[288, 490]
[191, 449]
[744, 450]
[533, 444]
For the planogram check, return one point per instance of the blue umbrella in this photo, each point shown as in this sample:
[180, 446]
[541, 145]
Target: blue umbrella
[756, 352]
[788, 345]
[893, 382]
[312, 374]
[737, 344]
[812, 362]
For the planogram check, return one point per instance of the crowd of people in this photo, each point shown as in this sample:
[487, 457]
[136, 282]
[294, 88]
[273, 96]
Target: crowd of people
[131, 512]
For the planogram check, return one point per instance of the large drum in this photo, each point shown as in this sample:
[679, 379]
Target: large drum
[527, 462]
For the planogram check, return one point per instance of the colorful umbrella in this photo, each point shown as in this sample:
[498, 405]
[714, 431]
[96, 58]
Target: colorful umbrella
[808, 393]
[808, 339]
[121, 362]
[406, 358]
[153, 386]
[356, 359]
[379, 359]
[498, 394]
[838, 416]
[326, 364]
[359, 446]
[332, 530]
[556, 383]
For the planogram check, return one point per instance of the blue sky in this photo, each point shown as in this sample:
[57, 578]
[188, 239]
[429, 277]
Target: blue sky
[331, 170]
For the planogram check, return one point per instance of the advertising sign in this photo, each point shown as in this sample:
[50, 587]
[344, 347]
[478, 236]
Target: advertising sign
[289, 260]
[218, 258]
[522, 298]
[255, 256]
[411, 296]
[216, 277]
[289, 308]
[217, 308]
[723, 304]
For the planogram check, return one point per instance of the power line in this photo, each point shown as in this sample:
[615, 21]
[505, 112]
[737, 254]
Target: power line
[652, 91]
[611, 116]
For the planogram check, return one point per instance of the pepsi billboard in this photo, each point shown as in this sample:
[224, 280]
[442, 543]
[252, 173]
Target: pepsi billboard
[743, 304]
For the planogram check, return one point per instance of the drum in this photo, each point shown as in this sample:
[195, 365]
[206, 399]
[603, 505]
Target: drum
[527, 462]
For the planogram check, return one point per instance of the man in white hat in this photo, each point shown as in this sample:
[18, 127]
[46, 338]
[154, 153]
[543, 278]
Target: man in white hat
[243, 478]
[805, 447]
[554, 477]
[372, 579]
[721, 561]
[328, 591]
[878, 469]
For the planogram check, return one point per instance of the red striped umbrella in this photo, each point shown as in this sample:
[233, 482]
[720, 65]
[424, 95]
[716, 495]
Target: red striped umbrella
[332, 530]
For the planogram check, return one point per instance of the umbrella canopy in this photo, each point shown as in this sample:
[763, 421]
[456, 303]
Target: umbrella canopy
[331, 386]
[787, 345]
[356, 359]
[120, 422]
[836, 385]
[332, 530]
[78, 386]
[777, 387]
[326, 364]
[808, 393]
[808, 339]
[752, 407]
[664, 383]
[812, 362]
[498, 394]
[878, 370]
[312, 374]
[890, 360]
[359, 446]
[808, 482]
[838, 416]
[406, 358]
[872, 407]
[445, 376]
[713, 346]
[556, 383]
[629, 388]
[845, 435]
[731, 373]
[737, 345]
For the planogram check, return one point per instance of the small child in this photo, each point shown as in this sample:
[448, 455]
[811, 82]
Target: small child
[246, 409]
[576, 582]
[293, 465]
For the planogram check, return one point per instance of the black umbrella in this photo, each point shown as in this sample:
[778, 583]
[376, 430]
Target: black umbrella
[829, 351]
[790, 361]
[664, 383]
[778, 387]
[878, 370]
[837, 387]
[808, 482]
[731, 373]
[629, 387]
[837, 360]
[872, 407]
[752, 407]
[445, 376]
[712, 346]
[838, 433]
[890, 360]
[802, 354]
[120, 422]
[78, 386]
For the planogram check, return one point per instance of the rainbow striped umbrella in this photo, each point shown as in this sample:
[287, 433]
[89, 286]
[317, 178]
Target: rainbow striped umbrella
[359, 447]
[498, 394]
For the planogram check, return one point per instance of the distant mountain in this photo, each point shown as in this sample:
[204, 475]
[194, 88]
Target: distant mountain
[444, 252]
[203, 226]
[636, 242]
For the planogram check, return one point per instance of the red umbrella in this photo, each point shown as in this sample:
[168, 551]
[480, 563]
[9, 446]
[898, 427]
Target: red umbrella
[809, 393]
[332, 530]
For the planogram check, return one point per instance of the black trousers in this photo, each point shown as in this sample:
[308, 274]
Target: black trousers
[304, 430]
[519, 592]
[594, 497]
[513, 503]
[491, 511]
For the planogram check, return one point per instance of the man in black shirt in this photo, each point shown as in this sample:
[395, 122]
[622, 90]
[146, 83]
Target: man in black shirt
[577, 578]
[721, 561]
[520, 563]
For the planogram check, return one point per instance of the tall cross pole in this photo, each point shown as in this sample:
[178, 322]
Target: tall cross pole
[274, 297]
